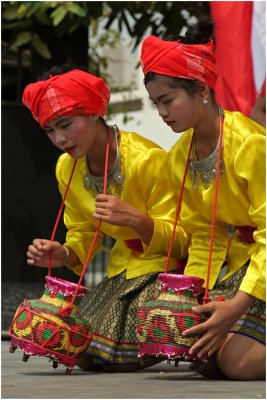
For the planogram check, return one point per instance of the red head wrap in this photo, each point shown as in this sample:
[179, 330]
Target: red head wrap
[73, 93]
[189, 61]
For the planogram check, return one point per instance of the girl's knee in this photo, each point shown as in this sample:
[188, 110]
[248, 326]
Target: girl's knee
[240, 371]
[244, 366]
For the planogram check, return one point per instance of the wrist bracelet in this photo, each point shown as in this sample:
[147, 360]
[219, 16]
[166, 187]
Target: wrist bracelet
[67, 254]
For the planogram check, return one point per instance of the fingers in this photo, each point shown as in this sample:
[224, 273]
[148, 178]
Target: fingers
[104, 197]
[202, 346]
[37, 251]
[34, 255]
[102, 207]
[41, 243]
[100, 211]
[209, 308]
[195, 329]
[205, 308]
[208, 344]
[213, 331]
[214, 348]
[98, 217]
[105, 207]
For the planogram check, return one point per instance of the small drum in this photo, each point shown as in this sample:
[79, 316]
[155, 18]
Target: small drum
[38, 327]
[160, 322]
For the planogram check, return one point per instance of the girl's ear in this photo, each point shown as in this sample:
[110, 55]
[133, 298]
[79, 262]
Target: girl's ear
[94, 117]
[202, 90]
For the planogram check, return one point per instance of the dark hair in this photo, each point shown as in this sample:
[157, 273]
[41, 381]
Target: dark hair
[60, 69]
[191, 86]
[199, 33]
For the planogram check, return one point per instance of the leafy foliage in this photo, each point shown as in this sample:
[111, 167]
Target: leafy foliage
[159, 18]
[26, 23]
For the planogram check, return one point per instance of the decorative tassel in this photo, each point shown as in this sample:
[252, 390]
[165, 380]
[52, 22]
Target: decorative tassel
[66, 311]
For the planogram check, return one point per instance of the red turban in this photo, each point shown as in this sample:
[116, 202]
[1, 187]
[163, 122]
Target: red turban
[189, 61]
[73, 93]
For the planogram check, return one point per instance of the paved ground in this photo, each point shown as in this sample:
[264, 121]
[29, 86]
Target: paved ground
[36, 379]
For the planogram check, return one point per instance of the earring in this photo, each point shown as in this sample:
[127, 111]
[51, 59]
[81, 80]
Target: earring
[205, 101]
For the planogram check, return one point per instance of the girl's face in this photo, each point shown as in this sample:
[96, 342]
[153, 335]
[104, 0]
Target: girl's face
[176, 107]
[73, 135]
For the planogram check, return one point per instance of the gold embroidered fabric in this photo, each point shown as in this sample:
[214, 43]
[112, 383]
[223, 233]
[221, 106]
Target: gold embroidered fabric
[146, 186]
[241, 202]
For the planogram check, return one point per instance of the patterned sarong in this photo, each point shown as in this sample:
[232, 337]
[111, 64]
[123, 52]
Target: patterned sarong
[110, 309]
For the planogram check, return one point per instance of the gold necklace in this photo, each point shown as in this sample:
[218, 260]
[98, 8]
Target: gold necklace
[95, 184]
[206, 169]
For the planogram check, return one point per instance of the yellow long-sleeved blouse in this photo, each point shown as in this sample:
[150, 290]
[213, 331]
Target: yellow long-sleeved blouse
[147, 187]
[241, 202]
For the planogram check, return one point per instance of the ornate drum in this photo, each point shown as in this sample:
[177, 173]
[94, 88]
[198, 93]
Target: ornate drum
[160, 322]
[38, 327]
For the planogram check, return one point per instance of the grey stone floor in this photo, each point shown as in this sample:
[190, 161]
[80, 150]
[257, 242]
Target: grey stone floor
[36, 379]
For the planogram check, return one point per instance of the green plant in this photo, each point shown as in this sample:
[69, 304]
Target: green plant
[26, 23]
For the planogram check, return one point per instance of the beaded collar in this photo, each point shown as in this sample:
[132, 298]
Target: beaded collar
[95, 184]
[206, 169]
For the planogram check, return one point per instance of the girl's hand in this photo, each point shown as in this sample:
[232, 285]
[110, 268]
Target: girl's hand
[223, 316]
[113, 210]
[38, 253]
